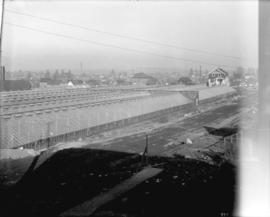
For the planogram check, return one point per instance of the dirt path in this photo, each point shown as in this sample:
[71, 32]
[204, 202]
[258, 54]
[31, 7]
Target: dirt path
[167, 138]
[89, 207]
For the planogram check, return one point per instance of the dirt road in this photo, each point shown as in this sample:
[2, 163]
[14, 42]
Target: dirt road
[172, 137]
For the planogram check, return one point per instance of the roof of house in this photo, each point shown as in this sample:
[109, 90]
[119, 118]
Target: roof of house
[45, 80]
[50, 81]
[185, 80]
[220, 70]
[76, 81]
[141, 75]
[93, 82]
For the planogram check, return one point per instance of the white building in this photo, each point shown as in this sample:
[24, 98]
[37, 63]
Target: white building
[218, 77]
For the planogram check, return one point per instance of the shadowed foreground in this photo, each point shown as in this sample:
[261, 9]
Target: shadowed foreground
[70, 177]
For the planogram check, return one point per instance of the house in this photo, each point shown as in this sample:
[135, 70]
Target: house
[14, 85]
[122, 82]
[76, 82]
[44, 82]
[152, 81]
[218, 77]
[93, 82]
[185, 81]
[142, 78]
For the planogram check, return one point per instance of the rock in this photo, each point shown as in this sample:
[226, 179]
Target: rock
[188, 141]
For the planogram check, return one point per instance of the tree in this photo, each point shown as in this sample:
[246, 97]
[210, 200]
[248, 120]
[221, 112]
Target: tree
[240, 71]
[29, 76]
[185, 80]
[191, 72]
[62, 73]
[251, 71]
[47, 74]
[56, 75]
[69, 75]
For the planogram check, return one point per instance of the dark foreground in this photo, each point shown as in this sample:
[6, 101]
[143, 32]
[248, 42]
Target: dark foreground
[185, 187]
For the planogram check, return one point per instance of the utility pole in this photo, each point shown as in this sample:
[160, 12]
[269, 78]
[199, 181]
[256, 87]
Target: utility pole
[1, 34]
[48, 132]
[81, 67]
[200, 78]
[145, 153]
[146, 149]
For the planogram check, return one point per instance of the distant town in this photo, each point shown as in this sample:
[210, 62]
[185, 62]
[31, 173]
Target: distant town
[25, 80]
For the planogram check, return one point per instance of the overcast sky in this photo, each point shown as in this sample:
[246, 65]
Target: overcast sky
[223, 27]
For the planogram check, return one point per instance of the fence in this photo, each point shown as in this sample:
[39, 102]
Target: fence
[231, 146]
[69, 123]
[71, 136]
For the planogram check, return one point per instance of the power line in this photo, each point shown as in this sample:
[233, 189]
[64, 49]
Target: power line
[122, 36]
[114, 46]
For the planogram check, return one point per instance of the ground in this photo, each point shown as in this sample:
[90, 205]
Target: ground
[72, 176]
[188, 184]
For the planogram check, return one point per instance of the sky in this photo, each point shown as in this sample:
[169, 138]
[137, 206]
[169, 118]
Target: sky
[176, 29]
